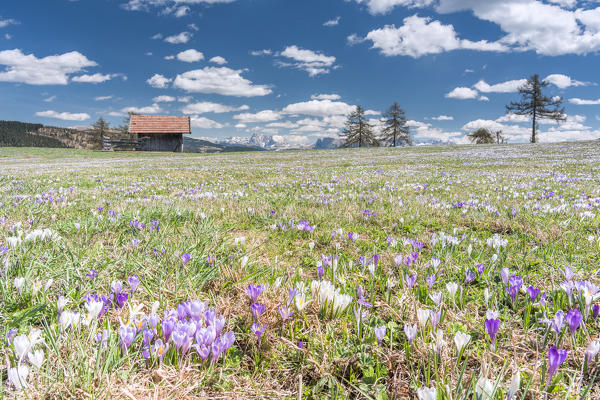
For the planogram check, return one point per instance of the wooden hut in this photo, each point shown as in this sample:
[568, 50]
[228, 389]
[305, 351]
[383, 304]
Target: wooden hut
[160, 133]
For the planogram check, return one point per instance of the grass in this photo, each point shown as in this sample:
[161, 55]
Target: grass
[236, 216]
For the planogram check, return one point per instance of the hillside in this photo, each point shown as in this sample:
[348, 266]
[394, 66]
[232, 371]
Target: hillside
[18, 134]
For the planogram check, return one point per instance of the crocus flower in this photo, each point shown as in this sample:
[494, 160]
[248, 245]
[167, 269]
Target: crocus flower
[430, 281]
[595, 310]
[185, 257]
[592, 350]
[452, 288]
[133, 282]
[573, 318]
[258, 330]
[127, 334]
[422, 317]
[480, 269]
[116, 287]
[410, 281]
[122, 299]
[320, 271]
[159, 349]
[505, 274]
[492, 326]
[427, 393]
[286, 313]
[17, 376]
[512, 291]
[533, 293]
[410, 331]
[257, 310]
[555, 359]
[168, 326]
[92, 274]
[380, 333]
[461, 340]
[254, 291]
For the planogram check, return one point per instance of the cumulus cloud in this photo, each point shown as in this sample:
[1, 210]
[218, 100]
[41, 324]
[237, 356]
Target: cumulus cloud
[332, 22]
[504, 87]
[183, 37]
[95, 78]
[159, 81]
[262, 116]
[563, 81]
[325, 97]
[462, 93]
[421, 36]
[66, 116]
[584, 102]
[218, 60]
[264, 52]
[153, 109]
[6, 22]
[101, 98]
[205, 123]
[319, 108]
[50, 70]
[219, 80]
[384, 6]
[167, 6]
[443, 118]
[208, 107]
[315, 63]
[190, 56]
[164, 99]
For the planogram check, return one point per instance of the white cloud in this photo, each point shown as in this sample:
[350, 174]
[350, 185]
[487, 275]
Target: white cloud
[50, 70]
[384, 6]
[513, 118]
[164, 99]
[205, 123]
[319, 108]
[421, 36]
[443, 118]
[6, 22]
[181, 11]
[264, 52]
[159, 81]
[157, 36]
[483, 123]
[325, 97]
[208, 107]
[354, 39]
[219, 80]
[50, 99]
[100, 98]
[424, 132]
[563, 81]
[66, 116]
[484, 98]
[332, 22]
[547, 29]
[462, 93]
[240, 126]
[583, 102]
[183, 37]
[218, 60]
[504, 87]
[315, 63]
[184, 99]
[168, 6]
[153, 109]
[190, 56]
[95, 78]
[262, 116]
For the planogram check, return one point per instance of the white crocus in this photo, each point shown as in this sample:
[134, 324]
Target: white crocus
[22, 345]
[515, 384]
[36, 358]
[452, 288]
[461, 340]
[49, 283]
[17, 376]
[486, 296]
[18, 283]
[422, 317]
[371, 268]
[300, 301]
[484, 388]
[94, 308]
[244, 261]
[427, 393]
[592, 350]
[311, 245]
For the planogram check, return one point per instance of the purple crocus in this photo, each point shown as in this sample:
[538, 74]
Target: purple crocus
[573, 318]
[380, 333]
[168, 326]
[512, 291]
[533, 293]
[555, 359]
[159, 349]
[116, 287]
[480, 269]
[257, 310]
[469, 277]
[254, 291]
[492, 325]
[127, 334]
[258, 330]
[92, 274]
[122, 299]
[505, 274]
[286, 313]
[133, 282]
[430, 281]
[185, 257]
[320, 271]
[595, 311]
[410, 281]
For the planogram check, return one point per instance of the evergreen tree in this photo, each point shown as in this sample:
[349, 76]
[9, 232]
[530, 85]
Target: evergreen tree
[395, 129]
[101, 126]
[358, 130]
[124, 129]
[499, 137]
[481, 136]
[534, 104]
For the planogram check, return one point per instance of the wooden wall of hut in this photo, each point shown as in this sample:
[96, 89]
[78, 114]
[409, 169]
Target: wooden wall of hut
[162, 142]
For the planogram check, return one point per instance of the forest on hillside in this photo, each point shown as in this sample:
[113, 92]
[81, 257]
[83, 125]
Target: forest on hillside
[16, 134]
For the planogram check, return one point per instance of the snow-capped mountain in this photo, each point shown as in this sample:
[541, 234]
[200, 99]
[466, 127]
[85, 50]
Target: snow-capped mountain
[262, 141]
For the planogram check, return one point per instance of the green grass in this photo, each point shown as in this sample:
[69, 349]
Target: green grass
[462, 194]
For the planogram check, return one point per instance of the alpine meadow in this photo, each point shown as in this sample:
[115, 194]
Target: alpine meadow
[266, 199]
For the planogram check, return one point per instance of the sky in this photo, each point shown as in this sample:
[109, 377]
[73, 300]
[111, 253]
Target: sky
[295, 68]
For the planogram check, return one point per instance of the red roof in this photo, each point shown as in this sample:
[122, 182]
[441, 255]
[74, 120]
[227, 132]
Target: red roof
[159, 124]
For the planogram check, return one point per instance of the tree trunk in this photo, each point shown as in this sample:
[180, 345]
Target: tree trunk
[533, 126]
[360, 134]
[394, 145]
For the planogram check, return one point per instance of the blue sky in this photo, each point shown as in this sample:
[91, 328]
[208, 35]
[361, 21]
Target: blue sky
[293, 69]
